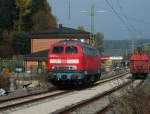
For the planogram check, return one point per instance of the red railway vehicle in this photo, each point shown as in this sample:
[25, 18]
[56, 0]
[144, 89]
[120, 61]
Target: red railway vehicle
[71, 62]
[139, 65]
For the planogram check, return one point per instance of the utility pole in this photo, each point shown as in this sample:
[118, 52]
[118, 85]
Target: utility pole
[92, 22]
[69, 13]
[133, 45]
[92, 14]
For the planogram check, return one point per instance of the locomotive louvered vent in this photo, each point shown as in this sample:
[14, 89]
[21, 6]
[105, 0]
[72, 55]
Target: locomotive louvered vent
[64, 76]
[64, 68]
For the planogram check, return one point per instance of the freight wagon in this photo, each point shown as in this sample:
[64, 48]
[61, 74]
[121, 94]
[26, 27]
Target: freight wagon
[139, 64]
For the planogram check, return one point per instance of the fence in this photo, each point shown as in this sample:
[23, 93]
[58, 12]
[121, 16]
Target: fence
[17, 65]
[10, 64]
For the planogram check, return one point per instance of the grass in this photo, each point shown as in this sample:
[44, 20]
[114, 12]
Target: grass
[132, 101]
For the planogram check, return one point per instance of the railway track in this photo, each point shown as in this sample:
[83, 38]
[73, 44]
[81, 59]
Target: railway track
[20, 101]
[115, 76]
[23, 100]
[82, 104]
[106, 107]
[27, 95]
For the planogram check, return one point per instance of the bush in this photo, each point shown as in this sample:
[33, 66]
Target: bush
[21, 42]
[133, 101]
[4, 82]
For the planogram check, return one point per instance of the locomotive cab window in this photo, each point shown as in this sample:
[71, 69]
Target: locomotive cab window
[58, 50]
[71, 50]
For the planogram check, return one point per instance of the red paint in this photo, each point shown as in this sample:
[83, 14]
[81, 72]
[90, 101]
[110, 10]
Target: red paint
[90, 63]
[139, 63]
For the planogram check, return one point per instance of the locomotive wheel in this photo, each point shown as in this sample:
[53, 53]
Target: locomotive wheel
[133, 76]
[92, 80]
[144, 75]
[97, 77]
[79, 82]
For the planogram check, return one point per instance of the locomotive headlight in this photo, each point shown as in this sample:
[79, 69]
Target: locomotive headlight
[53, 67]
[73, 68]
[73, 61]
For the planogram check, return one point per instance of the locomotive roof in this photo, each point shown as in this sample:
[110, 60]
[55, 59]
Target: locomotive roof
[139, 56]
[73, 42]
[61, 32]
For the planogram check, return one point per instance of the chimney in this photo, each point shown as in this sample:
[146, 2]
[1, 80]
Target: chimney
[60, 26]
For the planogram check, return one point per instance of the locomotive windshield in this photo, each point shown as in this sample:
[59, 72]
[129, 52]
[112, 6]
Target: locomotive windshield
[58, 50]
[67, 50]
[71, 50]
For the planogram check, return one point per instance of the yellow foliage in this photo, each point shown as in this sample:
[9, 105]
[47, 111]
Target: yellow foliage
[109, 62]
[6, 72]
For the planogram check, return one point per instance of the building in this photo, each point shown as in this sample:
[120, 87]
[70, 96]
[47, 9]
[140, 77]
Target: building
[42, 41]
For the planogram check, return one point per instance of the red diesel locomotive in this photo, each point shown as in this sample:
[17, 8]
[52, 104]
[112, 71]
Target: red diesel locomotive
[139, 64]
[71, 62]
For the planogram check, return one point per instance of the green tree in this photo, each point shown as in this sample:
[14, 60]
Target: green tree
[99, 42]
[6, 50]
[7, 14]
[5, 46]
[81, 28]
[1, 37]
[21, 43]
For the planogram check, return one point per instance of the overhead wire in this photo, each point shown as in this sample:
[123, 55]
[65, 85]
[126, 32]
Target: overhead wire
[127, 19]
[138, 20]
[120, 17]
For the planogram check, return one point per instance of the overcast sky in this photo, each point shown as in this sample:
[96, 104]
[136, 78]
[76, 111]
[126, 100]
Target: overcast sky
[122, 19]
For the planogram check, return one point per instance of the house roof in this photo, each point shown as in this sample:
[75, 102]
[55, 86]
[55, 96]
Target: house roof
[40, 55]
[61, 32]
[73, 42]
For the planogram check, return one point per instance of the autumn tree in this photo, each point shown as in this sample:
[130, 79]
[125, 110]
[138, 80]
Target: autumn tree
[33, 15]
[99, 42]
[42, 17]
[19, 17]
[24, 11]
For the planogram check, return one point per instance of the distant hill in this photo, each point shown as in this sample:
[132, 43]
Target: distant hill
[122, 47]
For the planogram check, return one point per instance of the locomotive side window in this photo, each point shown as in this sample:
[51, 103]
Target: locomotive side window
[58, 50]
[71, 50]
[90, 51]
